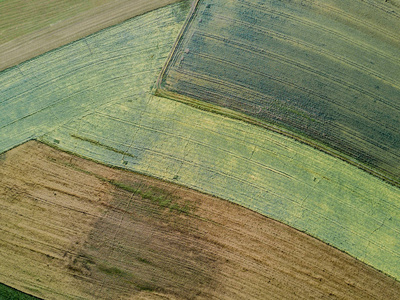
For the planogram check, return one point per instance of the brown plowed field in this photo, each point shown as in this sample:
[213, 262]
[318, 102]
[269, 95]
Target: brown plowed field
[59, 23]
[73, 228]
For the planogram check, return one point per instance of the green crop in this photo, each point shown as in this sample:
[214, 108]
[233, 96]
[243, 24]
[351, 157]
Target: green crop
[95, 95]
[325, 72]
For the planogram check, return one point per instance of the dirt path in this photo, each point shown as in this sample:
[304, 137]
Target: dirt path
[74, 228]
[70, 29]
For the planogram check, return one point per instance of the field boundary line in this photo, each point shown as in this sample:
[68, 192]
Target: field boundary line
[309, 23]
[313, 187]
[283, 81]
[174, 49]
[307, 45]
[299, 65]
[161, 92]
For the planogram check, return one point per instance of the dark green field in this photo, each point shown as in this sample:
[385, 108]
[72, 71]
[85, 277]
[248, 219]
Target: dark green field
[326, 71]
[8, 293]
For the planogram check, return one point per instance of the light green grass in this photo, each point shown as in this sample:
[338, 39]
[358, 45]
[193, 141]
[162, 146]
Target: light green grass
[104, 98]
[69, 82]
[326, 71]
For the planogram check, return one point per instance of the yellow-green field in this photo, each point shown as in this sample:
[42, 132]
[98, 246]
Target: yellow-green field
[94, 98]
[9, 293]
[326, 72]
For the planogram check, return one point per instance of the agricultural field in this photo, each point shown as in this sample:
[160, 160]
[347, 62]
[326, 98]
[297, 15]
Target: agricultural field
[79, 230]
[69, 82]
[8, 293]
[276, 176]
[31, 28]
[325, 72]
[95, 98]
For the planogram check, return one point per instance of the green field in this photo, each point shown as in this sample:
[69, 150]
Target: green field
[324, 71]
[69, 82]
[93, 98]
[8, 293]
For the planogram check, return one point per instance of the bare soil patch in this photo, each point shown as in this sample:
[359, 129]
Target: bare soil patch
[74, 228]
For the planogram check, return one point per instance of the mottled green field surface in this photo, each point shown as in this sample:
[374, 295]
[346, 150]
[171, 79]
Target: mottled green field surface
[69, 82]
[326, 71]
[8, 293]
[99, 90]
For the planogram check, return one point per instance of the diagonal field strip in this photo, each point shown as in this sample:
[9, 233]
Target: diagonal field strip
[325, 72]
[103, 97]
[31, 28]
[83, 230]
[275, 176]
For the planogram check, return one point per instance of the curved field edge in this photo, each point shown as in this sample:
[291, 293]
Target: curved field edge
[36, 96]
[266, 172]
[177, 57]
[75, 229]
[298, 136]
[99, 105]
[44, 27]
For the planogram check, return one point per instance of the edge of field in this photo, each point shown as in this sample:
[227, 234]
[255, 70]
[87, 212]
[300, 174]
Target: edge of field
[199, 104]
[119, 182]
[71, 29]
[161, 91]
[183, 186]
[293, 227]
[11, 293]
[210, 194]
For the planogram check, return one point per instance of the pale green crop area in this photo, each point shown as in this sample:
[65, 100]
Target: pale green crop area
[42, 94]
[94, 98]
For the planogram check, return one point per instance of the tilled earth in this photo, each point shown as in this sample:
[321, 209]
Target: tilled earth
[72, 228]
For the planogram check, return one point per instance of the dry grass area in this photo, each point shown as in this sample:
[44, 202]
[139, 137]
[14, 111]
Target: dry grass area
[31, 28]
[72, 228]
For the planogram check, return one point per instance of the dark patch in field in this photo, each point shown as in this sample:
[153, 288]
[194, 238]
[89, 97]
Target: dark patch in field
[145, 242]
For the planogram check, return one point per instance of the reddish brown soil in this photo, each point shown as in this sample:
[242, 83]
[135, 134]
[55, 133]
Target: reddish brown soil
[74, 228]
